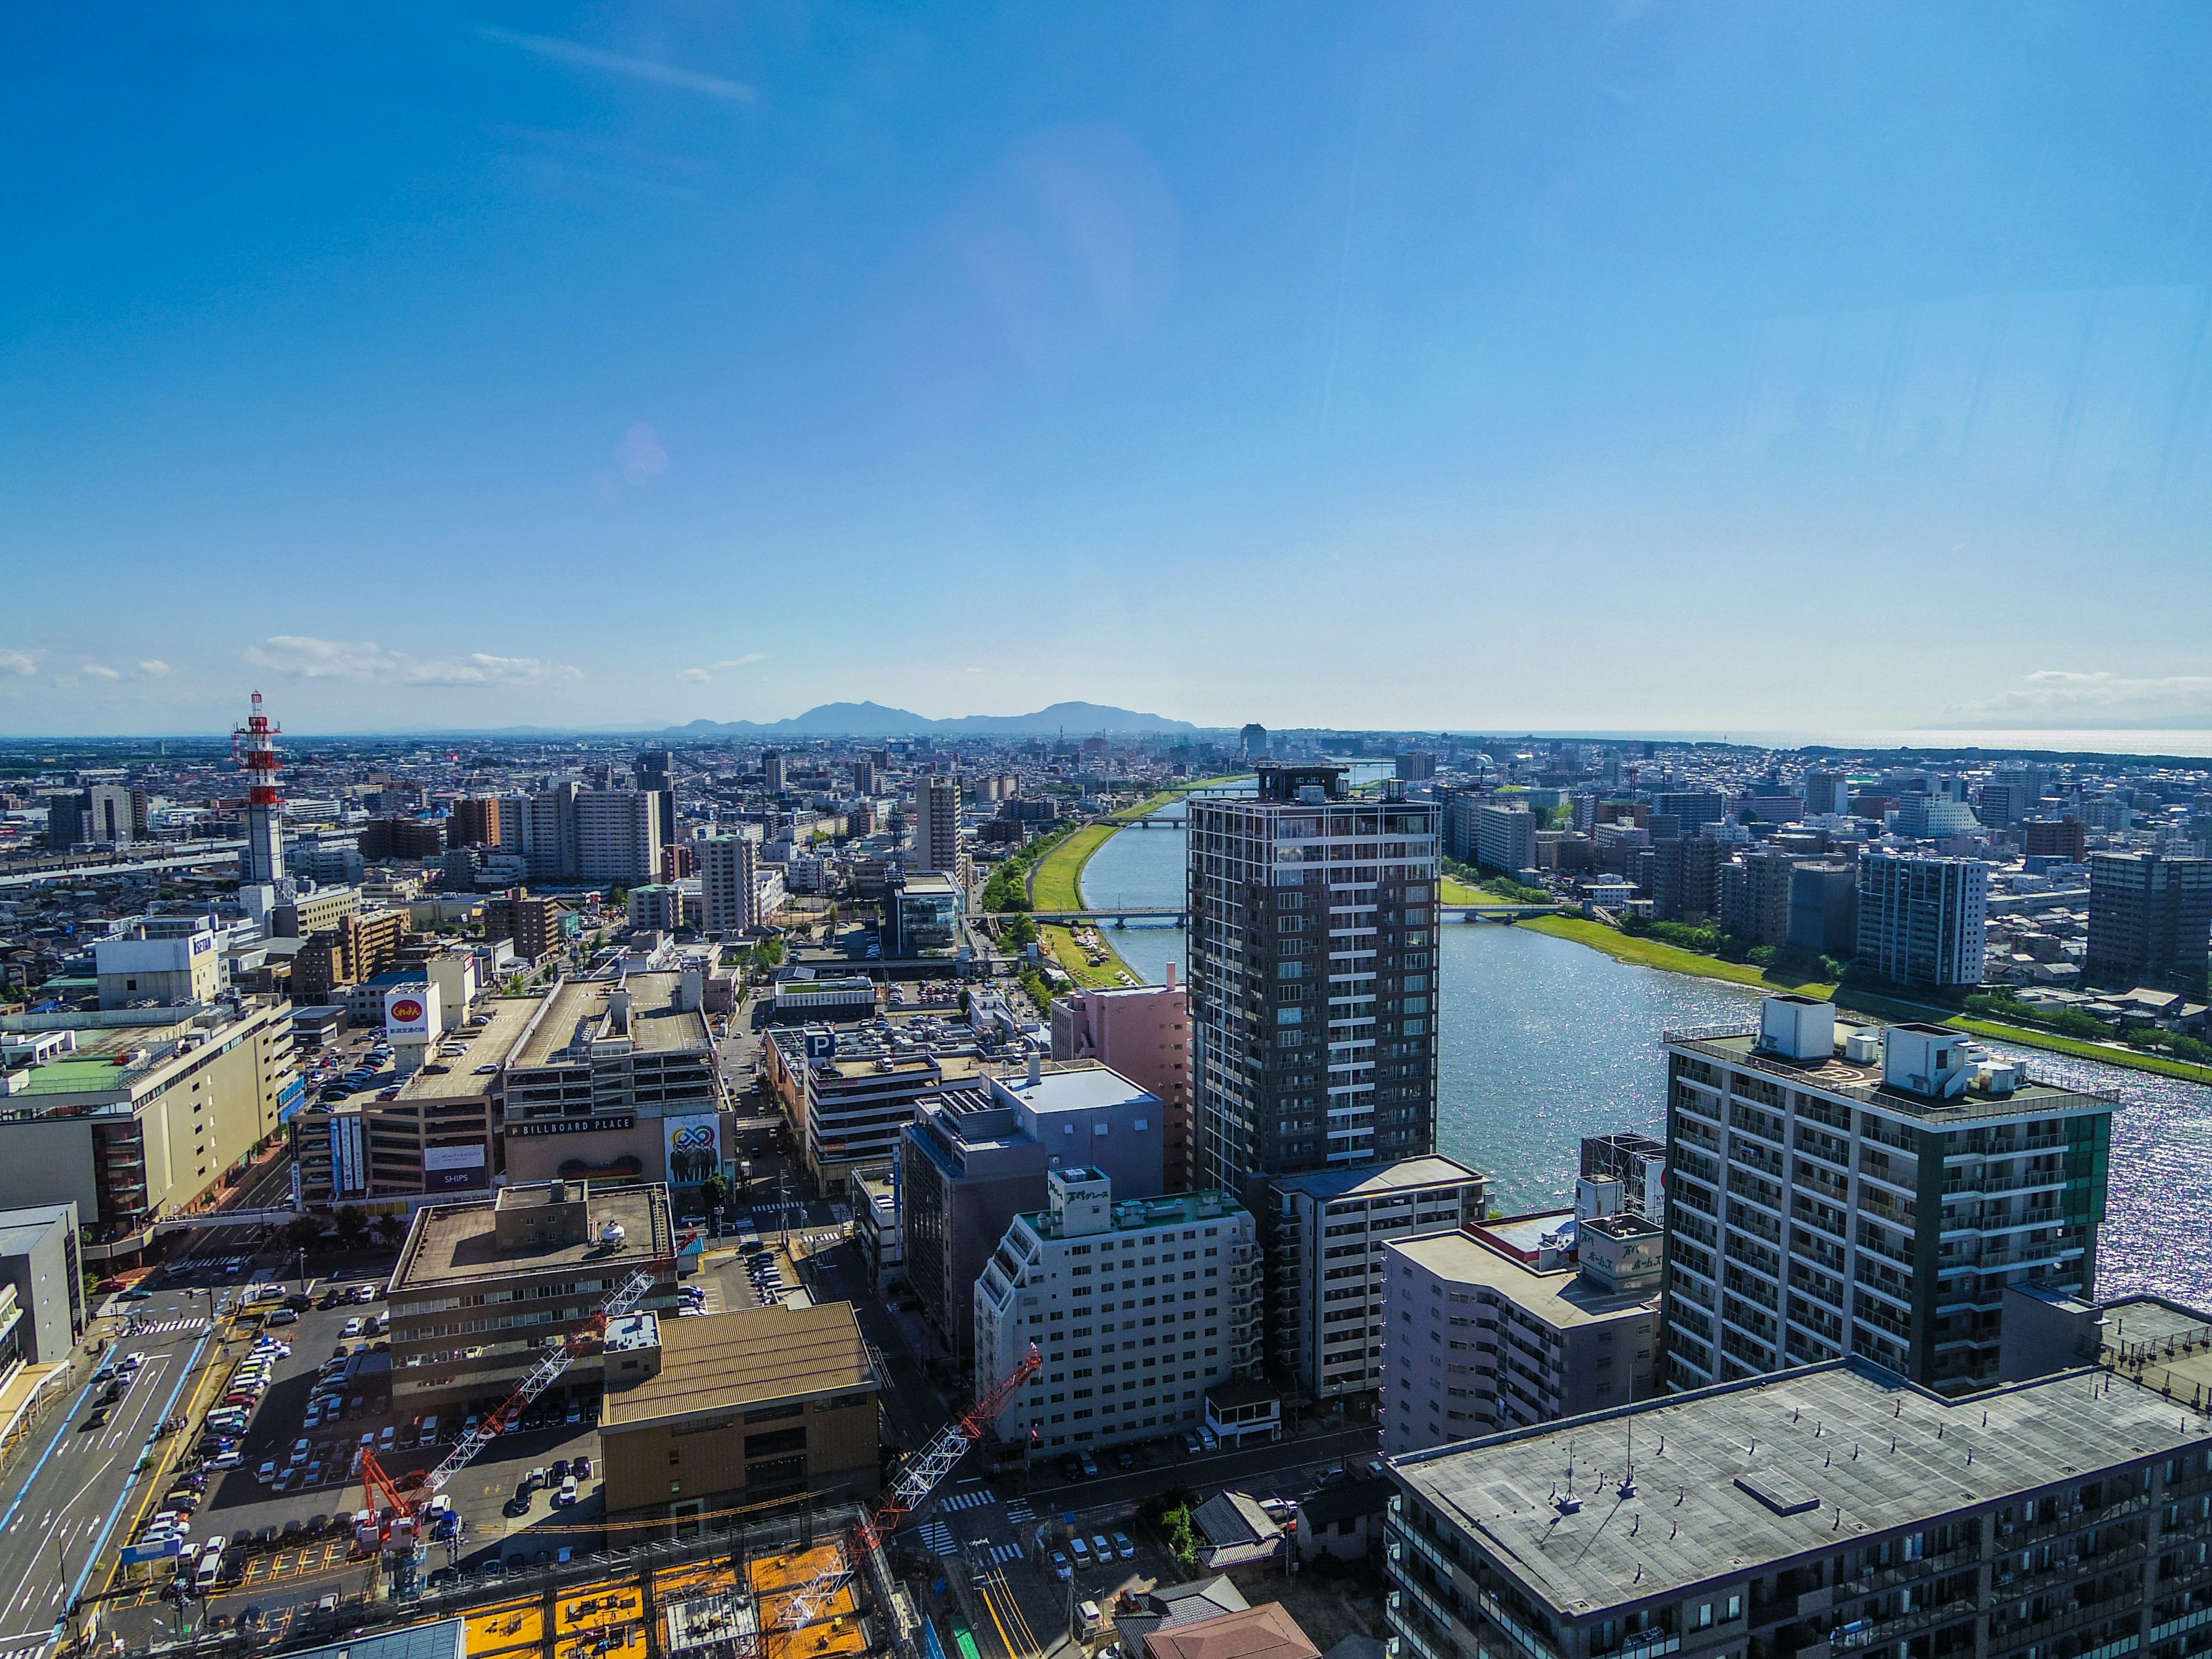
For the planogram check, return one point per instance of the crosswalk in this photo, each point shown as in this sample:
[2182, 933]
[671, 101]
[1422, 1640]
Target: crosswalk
[30, 1649]
[161, 1327]
[936, 1539]
[966, 1500]
[1019, 1512]
[994, 1555]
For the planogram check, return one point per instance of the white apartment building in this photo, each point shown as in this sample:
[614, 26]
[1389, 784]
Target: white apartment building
[618, 836]
[729, 894]
[1325, 1268]
[1924, 920]
[1139, 1307]
[1839, 1189]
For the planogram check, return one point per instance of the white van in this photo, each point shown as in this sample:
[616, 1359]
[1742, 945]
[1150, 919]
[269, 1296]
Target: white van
[259, 1294]
[210, 1567]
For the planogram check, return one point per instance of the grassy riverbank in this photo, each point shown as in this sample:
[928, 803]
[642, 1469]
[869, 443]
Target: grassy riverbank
[1152, 803]
[1650, 953]
[1056, 884]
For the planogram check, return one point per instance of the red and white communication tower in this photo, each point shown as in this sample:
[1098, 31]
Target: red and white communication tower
[254, 743]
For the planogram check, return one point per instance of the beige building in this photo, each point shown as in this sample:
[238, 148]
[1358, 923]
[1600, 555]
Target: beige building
[484, 1288]
[720, 1410]
[1142, 1033]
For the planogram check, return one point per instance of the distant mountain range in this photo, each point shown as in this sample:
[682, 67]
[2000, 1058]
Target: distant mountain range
[872, 719]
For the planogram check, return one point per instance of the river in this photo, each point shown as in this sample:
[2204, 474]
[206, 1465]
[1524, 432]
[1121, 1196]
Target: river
[1543, 1041]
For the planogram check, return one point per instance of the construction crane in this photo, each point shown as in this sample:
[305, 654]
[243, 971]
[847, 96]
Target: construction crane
[383, 1493]
[917, 1478]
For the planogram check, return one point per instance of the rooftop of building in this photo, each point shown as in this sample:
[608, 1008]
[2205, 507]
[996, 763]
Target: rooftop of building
[654, 1024]
[112, 1059]
[1364, 1180]
[1732, 1477]
[716, 1364]
[1081, 1085]
[1267, 1632]
[491, 1045]
[1563, 1298]
[455, 1244]
[1861, 1081]
[1137, 1215]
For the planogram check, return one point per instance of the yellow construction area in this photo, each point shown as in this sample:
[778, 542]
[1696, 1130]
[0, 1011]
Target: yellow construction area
[835, 1630]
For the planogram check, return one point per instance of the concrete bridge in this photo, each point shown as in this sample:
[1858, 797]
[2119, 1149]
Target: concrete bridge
[1119, 917]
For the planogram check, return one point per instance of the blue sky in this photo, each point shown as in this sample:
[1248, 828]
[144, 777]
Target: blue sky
[1745, 368]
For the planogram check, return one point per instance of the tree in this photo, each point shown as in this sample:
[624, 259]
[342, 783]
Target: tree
[353, 1227]
[391, 1228]
[304, 1234]
[714, 1191]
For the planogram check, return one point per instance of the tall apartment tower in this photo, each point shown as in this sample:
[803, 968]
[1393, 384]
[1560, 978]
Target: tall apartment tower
[618, 836]
[772, 770]
[1826, 793]
[1313, 977]
[475, 821]
[1847, 1190]
[937, 824]
[729, 900]
[2150, 919]
[655, 769]
[1252, 741]
[549, 832]
[118, 812]
[1924, 920]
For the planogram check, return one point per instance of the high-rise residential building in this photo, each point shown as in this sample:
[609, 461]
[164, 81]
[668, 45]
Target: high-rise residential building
[617, 837]
[1853, 1190]
[1755, 898]
[1693, 808]
[2003, 805]
[381, 839]
[1416, 766]
[1504, 837]
[1932, 818]
[2066, 839]
[655, 770]
[1509, 1323]
[1138, 1305]
[1826, 793]
[937, 824]
[1685, 877]
[1326, 1231]
[548, 832]
[117, 812]
[772, 776]
[1924, 920]
[1252, 742]
[729, 894]
[533, 925]
[68, 821]
[474, 822]
[864, 777]
[2150, 920]
[1833, 1511]
[1142, 1032]
[1313, 976]
[1824, 909]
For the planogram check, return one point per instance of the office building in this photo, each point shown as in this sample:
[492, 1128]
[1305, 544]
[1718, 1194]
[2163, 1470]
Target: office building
[1313, 980]
[2068, 839]
[475, 821]
[2003, 805]
[383, 839]
[1455, 821]
[655, 773]
[1826, 793]
[849, 1099]
[2150, 920]
[145, 1116]
[40, 1266]
[936, 825]
[1143, 1033]
[615, 1081]
[772, 773]
[553, 1252]
[532, 925]
[1824, 909]
[731, 1409]
[1692, 809]
[115, 813]
[1504, 838]
[1516, 1323]
[975, 1157]
[1326, 1287]
[167, 969]
[729, 897]
[922, 916]
[1252, 742]
[617, 837]
[1934, 818]
[1833, 1511]
[1138, 1305]
[1415, 767]
[68, 821]
[1922, 920]
[1843, 1190]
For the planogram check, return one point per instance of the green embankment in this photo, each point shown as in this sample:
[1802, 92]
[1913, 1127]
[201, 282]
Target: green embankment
[1650, 953]
[1056, 884]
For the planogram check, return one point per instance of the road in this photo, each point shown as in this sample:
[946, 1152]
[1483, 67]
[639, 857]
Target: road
[75, 1493]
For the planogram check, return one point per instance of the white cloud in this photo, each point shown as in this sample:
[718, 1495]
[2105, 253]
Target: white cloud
[696, 676]
[641, 454]
[640, 68]
[749, 658]
[18, 662]
[2062, 697]
[102, 671]
[153, 668]
[340, 660]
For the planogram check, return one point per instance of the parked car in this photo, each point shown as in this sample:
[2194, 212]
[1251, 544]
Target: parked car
[1061, 1570]
[1080, 1550]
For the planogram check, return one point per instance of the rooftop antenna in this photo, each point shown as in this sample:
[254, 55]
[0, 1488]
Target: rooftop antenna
[1628, 1481]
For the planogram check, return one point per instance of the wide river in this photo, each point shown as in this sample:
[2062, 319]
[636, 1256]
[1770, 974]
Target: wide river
[1544, 1041]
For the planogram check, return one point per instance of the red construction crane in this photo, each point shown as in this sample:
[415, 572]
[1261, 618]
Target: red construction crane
[381, 1492]
[917, 1478]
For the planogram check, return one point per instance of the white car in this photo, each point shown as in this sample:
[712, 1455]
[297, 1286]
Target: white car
[266, 1472]
[301, 1451]
[353, 1328]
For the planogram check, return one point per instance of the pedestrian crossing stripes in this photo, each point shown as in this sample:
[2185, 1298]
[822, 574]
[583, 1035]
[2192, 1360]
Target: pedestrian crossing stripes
[966, 1500]
[994, 1555]
[29, 1651]
[1019, 1512]
[936, 1539]
[159, 1327]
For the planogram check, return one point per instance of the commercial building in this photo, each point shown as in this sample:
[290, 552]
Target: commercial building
[1313, 977]
[729, 897]
[357, 949]
[484, 1288]
[1252, 741]
[115, 812]
[1933, 817]
[1504, 838]
[1327, 1287]
[1139, 1307]
[1922, 920]
[922, 916]
[139, 1115]
[1841, 1190]
[654, 771]
[1836, 1510]
[1826, 794]
[532, 926]
[1519, 1321]
[1143, 1033]
[1625, 1172]
[2150, 920]
[2068, 839]
[40, 1264]
[850, 1098]
[167, 969]
[1691, 809]
[936, 825]
[974, 1158]
[718, 1411]
[876, 1229]
[772, 776]
[614, 1082]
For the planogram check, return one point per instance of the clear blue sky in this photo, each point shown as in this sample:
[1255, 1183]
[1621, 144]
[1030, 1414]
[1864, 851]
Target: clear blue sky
[1804, 367]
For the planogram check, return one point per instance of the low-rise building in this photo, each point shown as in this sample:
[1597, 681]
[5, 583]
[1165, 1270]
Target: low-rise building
[1137, 1307]
[722, 1410]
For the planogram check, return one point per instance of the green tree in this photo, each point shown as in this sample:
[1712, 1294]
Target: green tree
[713, 1191]
[304, 1234]
[353, 1227]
